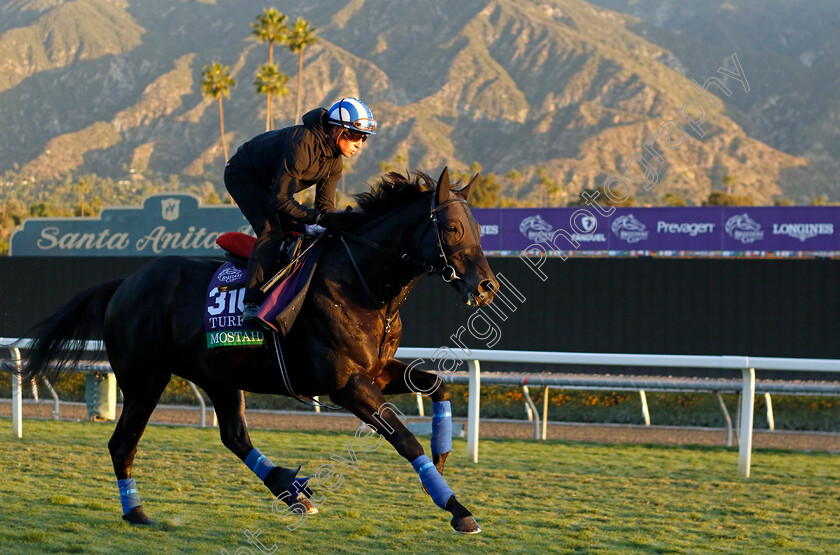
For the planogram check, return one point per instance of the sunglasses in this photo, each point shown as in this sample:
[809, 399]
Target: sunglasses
[355, 135]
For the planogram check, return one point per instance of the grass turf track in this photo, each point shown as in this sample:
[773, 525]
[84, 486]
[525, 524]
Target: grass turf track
[58, 494]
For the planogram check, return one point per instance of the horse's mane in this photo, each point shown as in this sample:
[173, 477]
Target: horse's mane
[393, 190]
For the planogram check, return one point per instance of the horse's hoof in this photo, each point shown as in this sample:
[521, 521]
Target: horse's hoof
[440, 461]
[465, 525]
[298, 494]
[310, 508]
[137, 516]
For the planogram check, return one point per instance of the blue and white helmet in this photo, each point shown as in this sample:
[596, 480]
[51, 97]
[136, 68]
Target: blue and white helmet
[352, 113]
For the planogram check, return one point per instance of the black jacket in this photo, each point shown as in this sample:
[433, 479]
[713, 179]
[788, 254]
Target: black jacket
[289, 160]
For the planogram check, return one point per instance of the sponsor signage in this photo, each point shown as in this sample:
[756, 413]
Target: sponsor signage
[166, 224]
[667, 230]
[781, 229]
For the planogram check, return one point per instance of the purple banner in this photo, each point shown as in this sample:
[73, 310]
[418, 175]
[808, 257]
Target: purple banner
[797, 230]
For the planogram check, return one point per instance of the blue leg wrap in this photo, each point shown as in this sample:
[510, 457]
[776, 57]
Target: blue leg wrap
[432, 480]
[128, 494]
[258, 463]
[441, 428]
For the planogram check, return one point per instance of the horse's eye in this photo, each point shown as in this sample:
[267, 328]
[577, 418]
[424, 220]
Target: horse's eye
[453, 231]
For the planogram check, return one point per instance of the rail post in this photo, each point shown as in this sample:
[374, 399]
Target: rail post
[532, 408]
[645, 410]
[545, 413]
[202, 421]
[473, 410]
[17, 395]
[746, 436]
[726, 417]
[771, 422]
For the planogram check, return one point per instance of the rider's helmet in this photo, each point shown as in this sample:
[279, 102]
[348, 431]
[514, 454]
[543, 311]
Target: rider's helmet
[351, 113]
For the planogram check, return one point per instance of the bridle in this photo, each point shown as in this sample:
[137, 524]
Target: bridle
[453, 275]
[447, 272]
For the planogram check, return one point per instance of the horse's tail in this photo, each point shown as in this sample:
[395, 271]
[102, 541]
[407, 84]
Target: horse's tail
[59, 340]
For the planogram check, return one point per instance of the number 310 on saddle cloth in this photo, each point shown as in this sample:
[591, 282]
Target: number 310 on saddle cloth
[223, 311]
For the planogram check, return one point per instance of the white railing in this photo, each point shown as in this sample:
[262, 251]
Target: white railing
[746, 365]
[14, 347]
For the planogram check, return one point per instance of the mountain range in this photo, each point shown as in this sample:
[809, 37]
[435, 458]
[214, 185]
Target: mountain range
[565, 91]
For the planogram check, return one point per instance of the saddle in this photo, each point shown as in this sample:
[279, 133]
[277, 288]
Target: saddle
[286, 290]
[238, 246]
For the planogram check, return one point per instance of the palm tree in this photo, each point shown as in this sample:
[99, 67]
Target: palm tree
[546, 187]
[270, 27]
[516, 178]
[83, 188]
[215, 82]
[301, 36]
[270, 82]
[728, 180]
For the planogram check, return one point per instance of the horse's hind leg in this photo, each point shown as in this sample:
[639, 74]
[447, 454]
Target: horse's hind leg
[365, 400]
[401, 378]
[139, 402]
[229, 405]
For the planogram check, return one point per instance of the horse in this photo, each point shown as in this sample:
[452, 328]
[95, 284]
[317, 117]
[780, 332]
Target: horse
[341, 345]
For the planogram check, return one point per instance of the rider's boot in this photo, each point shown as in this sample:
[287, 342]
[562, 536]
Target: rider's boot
[249, 314]
[260, 264]
[286, 252]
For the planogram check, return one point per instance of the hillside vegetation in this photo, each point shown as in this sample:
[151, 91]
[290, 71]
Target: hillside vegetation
[547, 97]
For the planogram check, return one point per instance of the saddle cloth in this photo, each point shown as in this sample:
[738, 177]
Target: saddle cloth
[225, 294]
[223, 324]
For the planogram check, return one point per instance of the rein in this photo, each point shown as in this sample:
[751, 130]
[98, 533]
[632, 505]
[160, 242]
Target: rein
[447, 272]
[390, 312]
[376, 246]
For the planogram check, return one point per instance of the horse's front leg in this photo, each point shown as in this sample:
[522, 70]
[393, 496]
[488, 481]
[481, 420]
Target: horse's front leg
[364, 399]
[229, 405]
[402, 378]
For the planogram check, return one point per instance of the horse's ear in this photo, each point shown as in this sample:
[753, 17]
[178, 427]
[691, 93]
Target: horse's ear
[465, 192]
[442, 192]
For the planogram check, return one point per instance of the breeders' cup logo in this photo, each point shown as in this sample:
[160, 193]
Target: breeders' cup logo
[535, 228]
[169, 209]
[628, 228]
[743, 228]
[229, 275]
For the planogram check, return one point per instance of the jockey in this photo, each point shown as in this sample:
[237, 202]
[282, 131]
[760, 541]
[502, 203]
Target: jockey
[266, 172]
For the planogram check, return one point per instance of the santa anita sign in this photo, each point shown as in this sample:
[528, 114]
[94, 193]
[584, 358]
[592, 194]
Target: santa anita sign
[165, 224]
[176, 224]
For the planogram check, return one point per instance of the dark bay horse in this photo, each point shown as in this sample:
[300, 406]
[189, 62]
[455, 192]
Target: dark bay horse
[341, 345]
